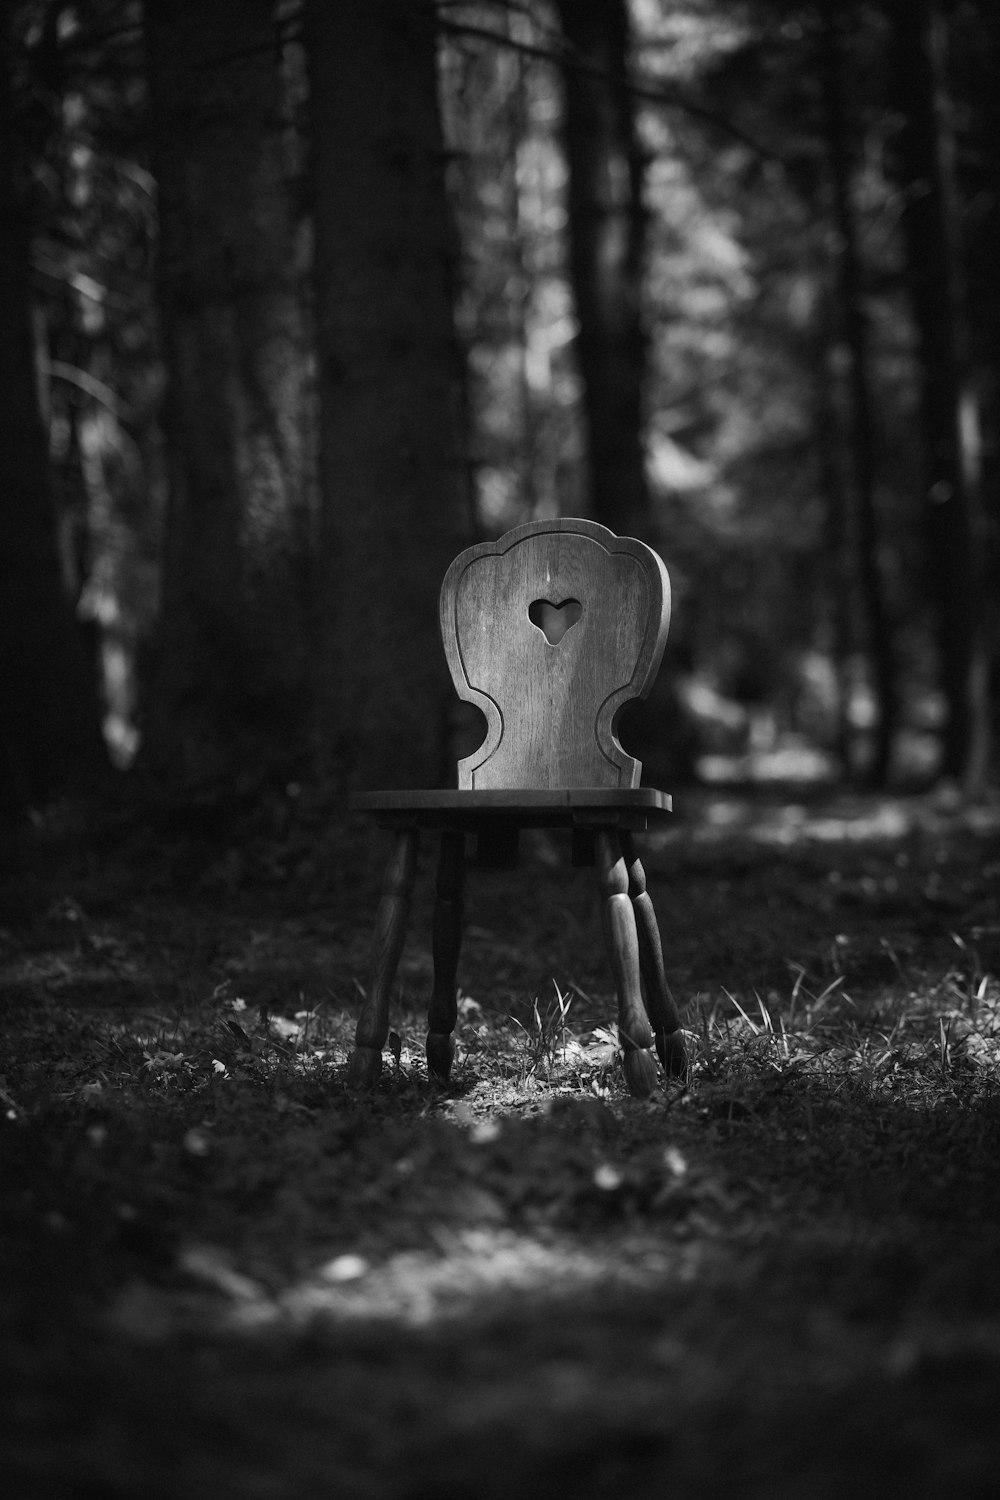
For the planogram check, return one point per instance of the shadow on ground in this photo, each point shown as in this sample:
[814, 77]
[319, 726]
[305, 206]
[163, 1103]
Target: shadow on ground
[223, 1275]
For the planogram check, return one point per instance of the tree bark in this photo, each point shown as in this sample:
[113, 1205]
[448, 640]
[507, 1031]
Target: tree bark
[976, 67]
[877, 632]
[936, 290]
[230, 679]
[395, 504]
[49, 724]
[607, 241]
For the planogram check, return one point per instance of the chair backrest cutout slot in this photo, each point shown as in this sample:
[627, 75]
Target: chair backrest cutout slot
[553, 620]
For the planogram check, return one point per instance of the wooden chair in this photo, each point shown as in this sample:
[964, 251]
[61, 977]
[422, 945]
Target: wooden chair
[550, 631]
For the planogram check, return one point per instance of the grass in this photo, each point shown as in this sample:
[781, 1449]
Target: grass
[224, 1274]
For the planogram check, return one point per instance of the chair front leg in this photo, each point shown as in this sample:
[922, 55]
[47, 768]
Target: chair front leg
[622, 939]
[659, 1001]
[387, 945]
[442, 1012]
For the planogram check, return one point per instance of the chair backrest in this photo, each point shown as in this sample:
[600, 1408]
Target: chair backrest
[550, 631]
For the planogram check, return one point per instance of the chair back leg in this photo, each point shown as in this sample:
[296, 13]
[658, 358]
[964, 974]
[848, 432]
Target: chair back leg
[442, 1012]
[387, 945]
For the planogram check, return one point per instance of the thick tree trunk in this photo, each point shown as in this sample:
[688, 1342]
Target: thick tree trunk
[935, 277]
[977, 70]
[607, 237]
[49, 725]
[864, 534]
[229, 682]
[395, 505]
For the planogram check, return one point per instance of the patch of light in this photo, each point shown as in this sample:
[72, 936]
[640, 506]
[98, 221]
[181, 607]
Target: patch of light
[122, 739]
[795, 763]
[673, 468]
[413, 1287]
[420, 1286]
[718, 818]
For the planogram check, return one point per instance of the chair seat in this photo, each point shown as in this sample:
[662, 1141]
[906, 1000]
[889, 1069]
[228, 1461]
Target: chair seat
[557, 807]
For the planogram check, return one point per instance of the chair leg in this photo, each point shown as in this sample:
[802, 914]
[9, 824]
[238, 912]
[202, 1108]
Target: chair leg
[622, 939]
[387, 945]
[442, 1011]
[659, 1001]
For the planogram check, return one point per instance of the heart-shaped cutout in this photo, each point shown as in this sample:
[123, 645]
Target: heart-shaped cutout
[553, 620]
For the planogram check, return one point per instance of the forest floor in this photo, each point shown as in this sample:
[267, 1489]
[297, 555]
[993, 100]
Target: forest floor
[224, 1276]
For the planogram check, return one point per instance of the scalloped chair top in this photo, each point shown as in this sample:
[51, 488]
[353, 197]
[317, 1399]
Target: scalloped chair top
[550, 631]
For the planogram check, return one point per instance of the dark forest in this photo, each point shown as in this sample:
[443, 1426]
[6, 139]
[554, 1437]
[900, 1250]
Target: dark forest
[290, 323]
[298, 300]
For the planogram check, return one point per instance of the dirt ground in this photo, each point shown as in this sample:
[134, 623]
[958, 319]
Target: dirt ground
[224, 1275]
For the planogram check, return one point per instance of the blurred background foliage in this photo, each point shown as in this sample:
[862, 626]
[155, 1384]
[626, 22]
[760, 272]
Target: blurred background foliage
[313, 296]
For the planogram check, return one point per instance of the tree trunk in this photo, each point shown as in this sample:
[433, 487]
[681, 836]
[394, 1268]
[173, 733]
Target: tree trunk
[49, 725]
[395, 505]
[976, 72]
[935, 279]
[607, 240]
[840, 625]
[230, 679]
[876, 633]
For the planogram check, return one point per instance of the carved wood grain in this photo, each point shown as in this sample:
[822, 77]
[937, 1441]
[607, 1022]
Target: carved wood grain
[622, 939]
[551, 710]
[660, 1005]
